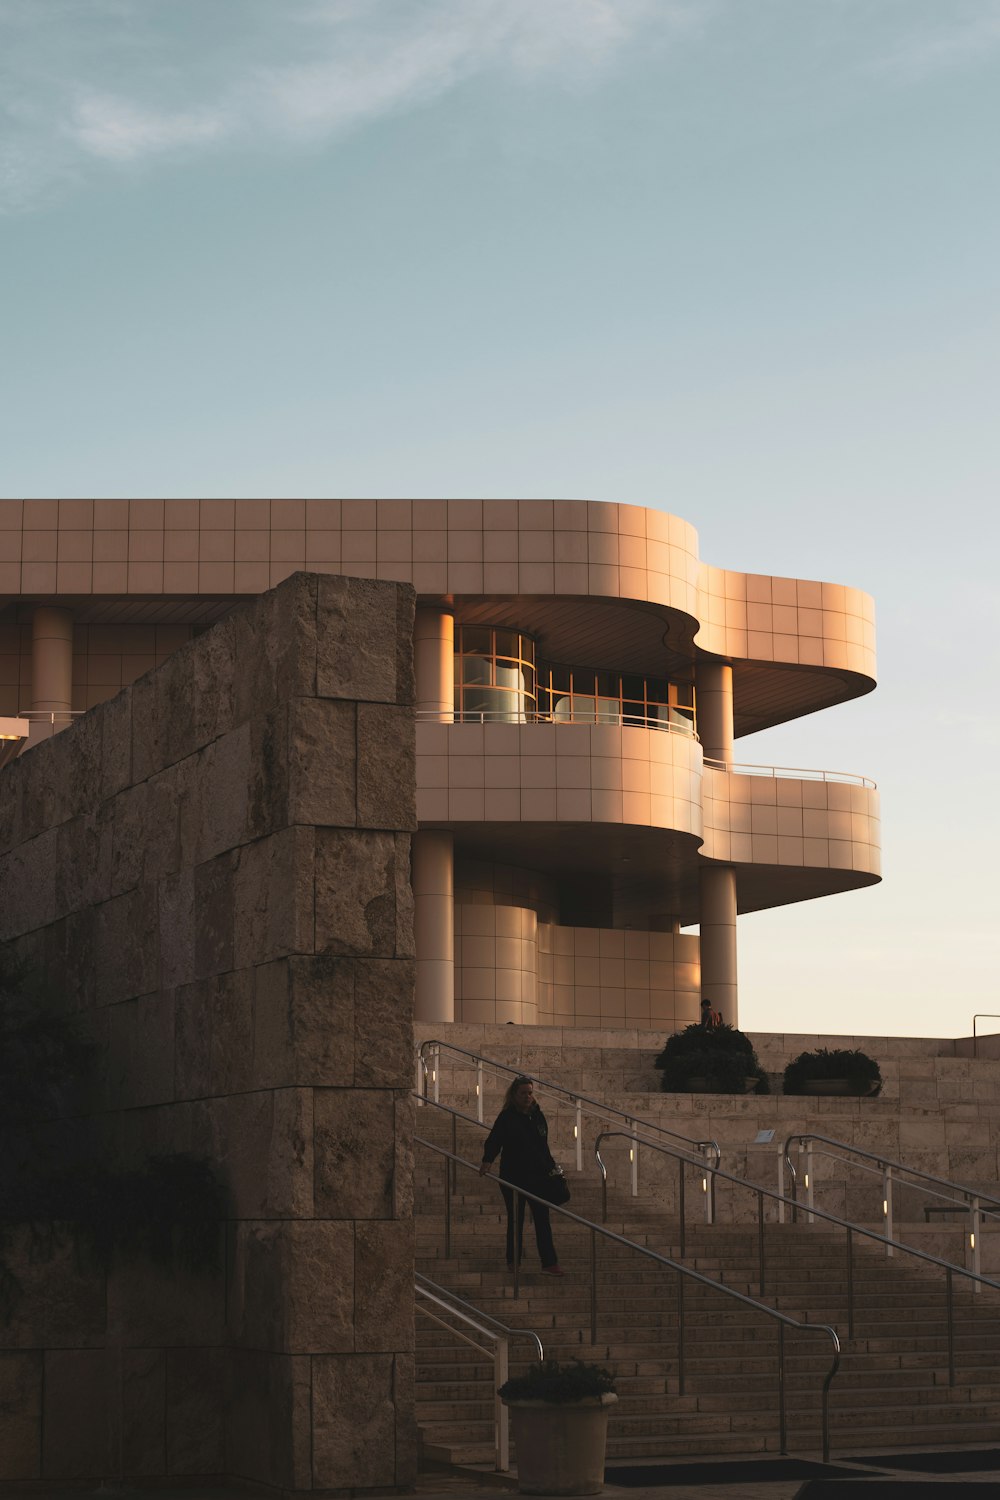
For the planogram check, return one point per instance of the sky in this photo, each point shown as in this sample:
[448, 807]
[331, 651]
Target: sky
[736, 259]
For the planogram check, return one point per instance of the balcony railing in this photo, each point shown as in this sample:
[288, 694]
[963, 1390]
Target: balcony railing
[795, 773]
[497, 716]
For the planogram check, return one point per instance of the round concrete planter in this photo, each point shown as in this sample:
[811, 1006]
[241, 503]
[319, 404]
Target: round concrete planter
[560, 1445]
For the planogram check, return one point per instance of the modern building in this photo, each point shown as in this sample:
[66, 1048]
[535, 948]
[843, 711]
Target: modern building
[582, 677]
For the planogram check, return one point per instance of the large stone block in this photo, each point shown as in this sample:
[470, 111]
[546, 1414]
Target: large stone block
[273, 897]
[69, 963]
[28, 881]
[387, 767]
[304, 1025]
[216, 792]
[156, 1306]
[361, 907]
[146, 832]
[214, 902]
[116, 744]
[144, 1394]
[141, 1051]
[364, 640]
[383, 1022]
[269, 1419]
[20, 1415]
[84, 862]
[291, 1286]
[383, 1286]
[355, 1153]
[262, 1143]
[275, 645]
[214, 1036]
[176, 913]
[323, 770]
[60, 1296]
[195, 1410]
[267, 788]
[127, 946]
[80, 1414]
[354, 1421]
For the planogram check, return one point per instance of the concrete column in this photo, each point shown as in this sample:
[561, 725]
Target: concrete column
[714, 703]
[51, 668]
[433, 875]
[434, 663]
[718, 940]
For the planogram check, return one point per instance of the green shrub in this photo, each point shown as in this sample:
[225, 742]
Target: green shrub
[861, 1071]
[551, 1381]
[723, 1056]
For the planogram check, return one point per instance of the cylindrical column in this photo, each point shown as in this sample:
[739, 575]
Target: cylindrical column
[433, 875]
[51, 668]
[714, 699]
[434, 663]
[718, 940]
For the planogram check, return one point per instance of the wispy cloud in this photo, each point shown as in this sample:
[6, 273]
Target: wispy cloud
[91, 83]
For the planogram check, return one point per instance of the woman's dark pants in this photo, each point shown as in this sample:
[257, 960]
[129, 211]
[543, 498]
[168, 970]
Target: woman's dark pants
[543, 1229]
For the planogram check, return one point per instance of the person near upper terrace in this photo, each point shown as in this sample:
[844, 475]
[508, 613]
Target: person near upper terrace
[520, 1138]
[710, 1018]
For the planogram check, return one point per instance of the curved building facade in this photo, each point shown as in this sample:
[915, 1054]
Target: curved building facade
[582, 678]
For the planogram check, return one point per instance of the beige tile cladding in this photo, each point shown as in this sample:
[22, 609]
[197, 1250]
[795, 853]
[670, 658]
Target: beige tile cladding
[788, 821]
[208, 870]
[506, 547]
[577, 773]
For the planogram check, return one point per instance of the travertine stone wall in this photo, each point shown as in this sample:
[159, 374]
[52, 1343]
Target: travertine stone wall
[214, 868]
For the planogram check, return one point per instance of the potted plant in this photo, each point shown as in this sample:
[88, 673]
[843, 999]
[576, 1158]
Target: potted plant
[716, 1060]
[560, 1418]
[833, 1071]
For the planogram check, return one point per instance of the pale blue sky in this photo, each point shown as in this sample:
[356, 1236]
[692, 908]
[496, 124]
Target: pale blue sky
[736, 258]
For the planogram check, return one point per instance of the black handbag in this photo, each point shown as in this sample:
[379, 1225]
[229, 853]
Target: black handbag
[555, 1188]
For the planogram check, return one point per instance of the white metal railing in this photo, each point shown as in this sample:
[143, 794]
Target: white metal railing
[428, 1073]
[490, 1328]
[49, 716]
[498, 716]
[793, 773]
[948, 1196]
[982, 1015]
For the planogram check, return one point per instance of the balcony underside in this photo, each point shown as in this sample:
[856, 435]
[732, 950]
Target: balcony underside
[623, 861]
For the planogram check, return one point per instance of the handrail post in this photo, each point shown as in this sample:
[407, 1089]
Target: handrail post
[436, 1074]
[760, 1243]
[578, 1134]
[479, 1096]
[515, 1204]
[708, 1188]
[951, 1327]
[454, 1152]
[782, 1432]
[633, 1157]
[447, 1209]
[419, 1077]
[501, 1416]
[781, 1184]
[681, 1215]
[680, 1333]
[850, 1282]
[975, 1222]
[887, 1208]
[593, 1286]
[810, 1218]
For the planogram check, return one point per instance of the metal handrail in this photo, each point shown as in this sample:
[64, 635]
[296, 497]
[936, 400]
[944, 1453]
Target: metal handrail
[636, 1140]
[795, 773]
[579, 1100]
[529, 716]
[500, 1333]
[976, 1277]
[50, 716]
[982, 1015]
[783, 1320]
[887, 1167]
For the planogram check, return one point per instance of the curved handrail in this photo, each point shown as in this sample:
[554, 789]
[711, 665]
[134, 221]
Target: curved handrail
[792, 773]
[976, 1277]
[782, 1319]
[445, 1298]
[598, 1105]
[883, 1161]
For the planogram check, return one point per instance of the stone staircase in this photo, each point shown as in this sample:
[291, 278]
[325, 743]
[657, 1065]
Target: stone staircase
[892, 1387]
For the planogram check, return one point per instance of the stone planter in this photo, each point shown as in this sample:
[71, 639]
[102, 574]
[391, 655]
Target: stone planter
[560, 1445]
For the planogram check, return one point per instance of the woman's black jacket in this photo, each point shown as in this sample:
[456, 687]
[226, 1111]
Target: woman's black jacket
[522, 1143]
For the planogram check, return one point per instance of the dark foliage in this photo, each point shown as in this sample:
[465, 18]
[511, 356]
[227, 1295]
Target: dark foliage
[722, 1056]
[861, 1071]
[58, 1172]
[559, 1383]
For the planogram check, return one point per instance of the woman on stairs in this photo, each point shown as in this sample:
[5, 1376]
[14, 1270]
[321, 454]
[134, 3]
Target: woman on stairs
[520, 1138]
